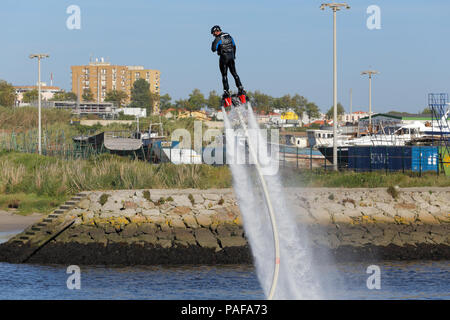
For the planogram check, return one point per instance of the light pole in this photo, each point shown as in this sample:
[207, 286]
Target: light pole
[335, 7]
[370, 73]
[39, 56]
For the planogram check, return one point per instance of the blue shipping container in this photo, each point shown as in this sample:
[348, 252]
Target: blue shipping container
[424, 159]
[399, 158]
[379, 158]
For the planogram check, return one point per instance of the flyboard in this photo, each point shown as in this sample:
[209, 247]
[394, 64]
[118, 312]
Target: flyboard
[237, 104]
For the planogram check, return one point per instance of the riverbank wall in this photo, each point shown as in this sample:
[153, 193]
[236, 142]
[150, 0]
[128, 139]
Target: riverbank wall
[155, 227]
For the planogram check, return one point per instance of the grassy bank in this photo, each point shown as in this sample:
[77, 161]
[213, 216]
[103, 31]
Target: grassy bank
[37, 183]
[349, 179]
[53, 180]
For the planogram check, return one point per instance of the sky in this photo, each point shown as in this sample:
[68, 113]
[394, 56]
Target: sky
[283, 47]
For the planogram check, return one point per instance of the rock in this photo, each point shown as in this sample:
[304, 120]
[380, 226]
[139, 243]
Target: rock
[164, 235]
[211, 196]
[84, 204]
[204, 220]
[130, 230]
[138, 219]
[384, 207]
[114, 237]
[128, 213]
[97, 234]
[190, 221]
[342, 218]
[146, 205]
[185, 236]
[151, 212]
[176, 223]
[198, 199]
[108, 228]
[148, 238]
[408, 215]
[381, 218]
[181, 201]
[129, 205]
[369, 211]
[205, 238]
[148, 228]
[206, 212]
[111, 206]
[164, 243]
[233, 241]
[180, 211]
[321, 216]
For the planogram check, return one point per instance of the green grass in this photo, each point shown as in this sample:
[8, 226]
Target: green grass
[349, 179]
[30, 202]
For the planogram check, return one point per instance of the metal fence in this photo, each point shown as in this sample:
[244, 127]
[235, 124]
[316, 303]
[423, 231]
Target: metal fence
[367, 159]
[53, 144]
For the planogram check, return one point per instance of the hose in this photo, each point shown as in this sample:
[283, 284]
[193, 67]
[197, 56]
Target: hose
[269, 206]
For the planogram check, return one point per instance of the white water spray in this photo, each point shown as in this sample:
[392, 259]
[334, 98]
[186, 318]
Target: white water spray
[295, 278]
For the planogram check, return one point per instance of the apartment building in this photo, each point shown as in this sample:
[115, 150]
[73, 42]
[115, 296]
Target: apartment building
[100, 77]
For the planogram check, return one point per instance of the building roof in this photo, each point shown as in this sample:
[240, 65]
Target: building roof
[319, 122]
[36, 87]
[402, 116]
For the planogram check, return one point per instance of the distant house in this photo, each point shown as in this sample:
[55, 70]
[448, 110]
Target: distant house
[353, 117]
[319, 123]
[289, 115]
[197, 115]
[47, 92]
[171, 113]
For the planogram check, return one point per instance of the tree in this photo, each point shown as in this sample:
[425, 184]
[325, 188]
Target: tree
[260, 101]
[181, 104]
[340, 111]
[196, 100]
[214, 101]
[116, 96]
[70, 96]
[164, 102]
[7, 94]
[312, 111]
[140, 95]
[154, 101]
[426, 111]
[87, 95]
[30, 96]
[64, 96]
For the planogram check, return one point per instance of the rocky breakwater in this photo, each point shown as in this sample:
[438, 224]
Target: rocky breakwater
[144, 227]
[150, 227]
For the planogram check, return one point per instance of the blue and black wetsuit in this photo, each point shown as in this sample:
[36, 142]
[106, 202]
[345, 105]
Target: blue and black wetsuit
[225, 47]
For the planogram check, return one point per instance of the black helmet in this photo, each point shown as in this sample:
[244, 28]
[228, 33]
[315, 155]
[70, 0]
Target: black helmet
[215, 28]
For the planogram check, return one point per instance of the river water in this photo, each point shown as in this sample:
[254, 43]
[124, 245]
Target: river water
[398, 280]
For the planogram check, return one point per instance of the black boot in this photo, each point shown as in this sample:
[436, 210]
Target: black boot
[226, 94]
[241, 91]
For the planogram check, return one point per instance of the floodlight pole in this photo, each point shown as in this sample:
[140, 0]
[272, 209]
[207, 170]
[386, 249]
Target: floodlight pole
[370, 73]
[335, 7]
[39, 57]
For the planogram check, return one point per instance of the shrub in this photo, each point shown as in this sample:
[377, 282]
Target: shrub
[103, 198]
[392, 191]
[146, 195]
